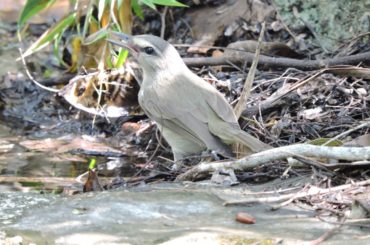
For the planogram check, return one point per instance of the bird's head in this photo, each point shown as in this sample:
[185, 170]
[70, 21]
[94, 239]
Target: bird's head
[152, 53]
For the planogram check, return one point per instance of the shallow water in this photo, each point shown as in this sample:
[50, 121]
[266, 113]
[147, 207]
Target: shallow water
[170, 213]
[154, 214]
[18, 163]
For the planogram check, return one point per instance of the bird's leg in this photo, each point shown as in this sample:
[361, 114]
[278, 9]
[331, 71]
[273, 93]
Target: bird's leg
[189, 160]
[215, 156]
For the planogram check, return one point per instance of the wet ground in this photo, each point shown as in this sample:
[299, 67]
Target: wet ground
[163, 213]
[156, 214]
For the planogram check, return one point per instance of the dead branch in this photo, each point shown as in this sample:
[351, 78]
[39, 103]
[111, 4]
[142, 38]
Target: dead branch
[275, 99]
[268, 62]
[239, 108]
[49, 180]
[362, 125]
[326, 235]
[281, 153]
[306, 192]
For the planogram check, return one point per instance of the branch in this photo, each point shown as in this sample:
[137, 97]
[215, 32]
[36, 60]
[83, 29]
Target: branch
[274, 62]
[312, 191]
[239, 108]
[281, 153]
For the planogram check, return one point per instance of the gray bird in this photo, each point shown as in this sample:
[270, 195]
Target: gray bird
[190, 113]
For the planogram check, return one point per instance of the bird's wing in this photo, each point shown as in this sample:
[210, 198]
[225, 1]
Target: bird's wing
[216, 101]
[161, 115]
[188, 99]
[228, 127]
[183, 110]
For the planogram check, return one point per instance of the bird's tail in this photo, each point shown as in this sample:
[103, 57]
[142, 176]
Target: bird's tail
[251, 142]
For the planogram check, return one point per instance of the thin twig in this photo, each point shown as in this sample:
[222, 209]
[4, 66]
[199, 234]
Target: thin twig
[270, 102]
[29, 73]
[163, 21]
[326, 235]
[345, 133]
[309, 192]
[240, 106]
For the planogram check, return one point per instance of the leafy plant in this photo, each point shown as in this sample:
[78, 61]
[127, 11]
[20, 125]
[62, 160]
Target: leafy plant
[89, 18]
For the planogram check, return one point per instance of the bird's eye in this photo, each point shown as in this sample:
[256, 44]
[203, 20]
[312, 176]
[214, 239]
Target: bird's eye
[149, 50]
[80, 91]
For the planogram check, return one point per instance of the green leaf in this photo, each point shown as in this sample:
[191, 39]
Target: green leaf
[322, 141]
[108, 62]
[50, 34]
[137, 9]
[172, 3]
[92, 163]
[149, 3]
[56, 45]
[96, 36]
[31, 8]
[122, 56]
[87, 19]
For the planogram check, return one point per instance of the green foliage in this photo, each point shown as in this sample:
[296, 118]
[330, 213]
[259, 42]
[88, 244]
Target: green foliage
[31, 8]
[92, 163]
[172, 3]
[50, 34]
[114, 14]
[152, 3]
[322, 141]
[135, 4]
[122, 56]
[137, 9]
[101, 34]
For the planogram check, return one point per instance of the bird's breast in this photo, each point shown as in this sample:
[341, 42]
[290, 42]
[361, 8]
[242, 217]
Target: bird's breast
[147, 97]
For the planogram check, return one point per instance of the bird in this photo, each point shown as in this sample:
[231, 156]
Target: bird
[118, 91]
[191, 114]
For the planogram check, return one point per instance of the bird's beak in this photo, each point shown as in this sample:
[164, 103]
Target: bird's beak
[122, 40]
